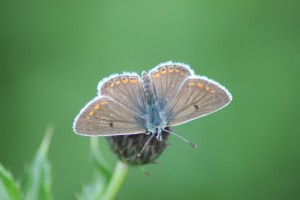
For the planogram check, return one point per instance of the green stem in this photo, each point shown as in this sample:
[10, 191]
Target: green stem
[116, 181]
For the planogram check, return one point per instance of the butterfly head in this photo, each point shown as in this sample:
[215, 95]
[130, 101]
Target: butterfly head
[157, 129]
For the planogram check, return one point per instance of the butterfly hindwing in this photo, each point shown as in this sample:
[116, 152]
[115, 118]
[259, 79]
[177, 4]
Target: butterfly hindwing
[198, 96]
[104, 117]
[166, 79]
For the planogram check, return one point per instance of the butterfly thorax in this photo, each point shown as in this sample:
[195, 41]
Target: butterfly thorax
[154, 122]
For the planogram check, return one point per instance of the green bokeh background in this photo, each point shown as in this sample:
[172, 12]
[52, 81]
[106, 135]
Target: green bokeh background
[54, 53]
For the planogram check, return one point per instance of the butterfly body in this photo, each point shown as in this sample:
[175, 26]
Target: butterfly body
[155, 123]
[168, 95]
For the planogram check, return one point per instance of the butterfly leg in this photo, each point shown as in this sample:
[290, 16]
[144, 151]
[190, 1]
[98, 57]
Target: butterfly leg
[159, 134]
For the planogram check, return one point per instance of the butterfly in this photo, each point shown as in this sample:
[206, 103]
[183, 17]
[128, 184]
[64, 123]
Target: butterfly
[168, 95]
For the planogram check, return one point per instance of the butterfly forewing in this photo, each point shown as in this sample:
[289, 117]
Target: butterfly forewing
[104, 117]
[197, 97]
[167, 79]
[127, 90]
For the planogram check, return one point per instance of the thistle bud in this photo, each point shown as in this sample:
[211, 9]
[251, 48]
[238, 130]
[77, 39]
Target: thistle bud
[129, 148]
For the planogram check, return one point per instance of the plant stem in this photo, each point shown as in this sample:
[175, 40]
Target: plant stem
[116, 181]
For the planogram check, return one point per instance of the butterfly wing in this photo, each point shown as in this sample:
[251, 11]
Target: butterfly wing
[104, 117]
[197, 97]
[167, 79]
[127, 90]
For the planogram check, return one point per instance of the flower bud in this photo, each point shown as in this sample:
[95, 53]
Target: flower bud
[130, 148]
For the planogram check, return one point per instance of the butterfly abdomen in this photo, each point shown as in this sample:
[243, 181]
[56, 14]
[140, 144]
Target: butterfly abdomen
[148, 90]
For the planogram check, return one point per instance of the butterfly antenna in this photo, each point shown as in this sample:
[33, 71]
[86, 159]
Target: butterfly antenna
[146, 144]
[180, 137]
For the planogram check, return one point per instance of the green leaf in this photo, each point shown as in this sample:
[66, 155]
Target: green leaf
[106, 182]
[102, 175]
[39, 178]
[101, 165]
[9, 189]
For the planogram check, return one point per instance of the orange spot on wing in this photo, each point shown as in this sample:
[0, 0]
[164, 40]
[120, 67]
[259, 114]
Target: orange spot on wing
[133, 80]
[163, 70]
[176, 70]
[96, 107]
[200, 85]
[171, 69]
[206, 88]
[156, 75]
[117, 81]
[124, 80]
[91, 113]
[103, 102]
[191, 84]
[108, 89]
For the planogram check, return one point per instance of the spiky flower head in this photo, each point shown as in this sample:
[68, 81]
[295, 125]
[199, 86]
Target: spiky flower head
[132, 150]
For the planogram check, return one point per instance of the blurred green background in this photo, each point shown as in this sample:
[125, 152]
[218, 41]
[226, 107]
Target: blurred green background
[54, 53]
